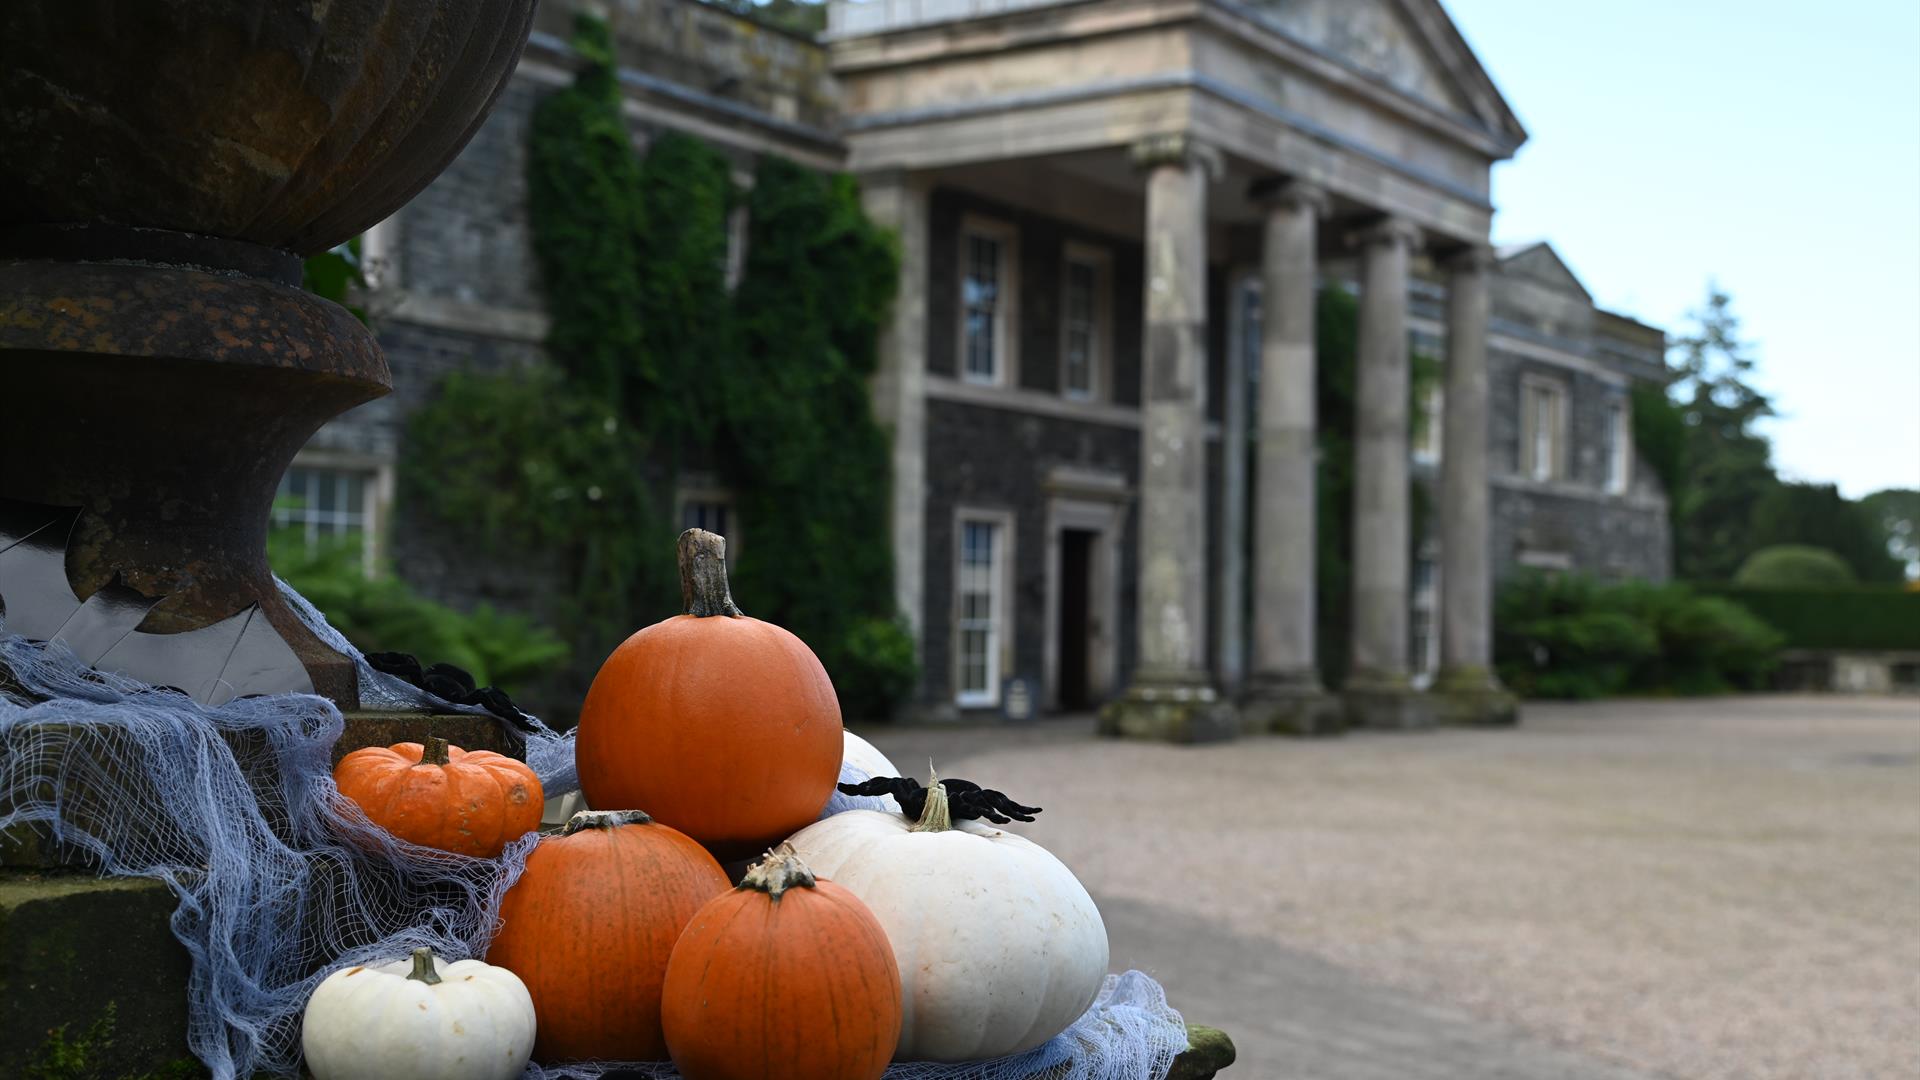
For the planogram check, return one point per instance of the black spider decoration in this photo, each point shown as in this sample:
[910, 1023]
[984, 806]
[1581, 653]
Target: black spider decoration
[965, 799]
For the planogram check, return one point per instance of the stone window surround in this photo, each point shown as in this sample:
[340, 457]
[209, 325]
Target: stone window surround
[1006, 333]
[1527, 464]
[1001, 658]
[1100, 373]
[1620, 444]
[703, 488]
[377, 492]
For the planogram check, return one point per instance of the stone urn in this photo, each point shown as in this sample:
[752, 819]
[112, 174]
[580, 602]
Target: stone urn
[164, 166]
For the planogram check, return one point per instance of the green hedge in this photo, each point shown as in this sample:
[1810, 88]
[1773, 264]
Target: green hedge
[1863, 617]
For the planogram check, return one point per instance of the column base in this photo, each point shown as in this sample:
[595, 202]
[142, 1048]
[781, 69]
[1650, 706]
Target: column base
[1290, 704]
[1171, 710]
[1473, 697]
[1386, 702]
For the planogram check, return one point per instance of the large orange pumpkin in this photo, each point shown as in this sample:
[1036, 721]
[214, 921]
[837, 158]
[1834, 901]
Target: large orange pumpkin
[722, 726]
[784, 978]
[589, 928]
[441, 796]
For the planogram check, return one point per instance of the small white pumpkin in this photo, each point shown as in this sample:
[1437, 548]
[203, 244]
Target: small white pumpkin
[419, 1019]
[1000, 948]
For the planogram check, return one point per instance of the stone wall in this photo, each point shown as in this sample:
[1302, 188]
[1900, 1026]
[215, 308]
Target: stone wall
[996, 459]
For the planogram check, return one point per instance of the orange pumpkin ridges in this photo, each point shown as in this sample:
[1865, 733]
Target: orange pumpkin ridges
[784, 978]
[440, 796]
[722, 726]
[589, 928]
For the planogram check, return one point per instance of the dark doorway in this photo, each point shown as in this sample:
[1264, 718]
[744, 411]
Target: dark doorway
[1076, 617]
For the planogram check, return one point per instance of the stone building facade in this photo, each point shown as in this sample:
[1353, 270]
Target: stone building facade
[1114, 216]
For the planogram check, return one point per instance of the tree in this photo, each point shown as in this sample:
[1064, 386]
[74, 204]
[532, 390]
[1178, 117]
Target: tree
[1725, 461]
[1817, 515]
[1898, 512]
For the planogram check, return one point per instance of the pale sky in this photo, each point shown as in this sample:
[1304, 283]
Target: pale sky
[1772, 146]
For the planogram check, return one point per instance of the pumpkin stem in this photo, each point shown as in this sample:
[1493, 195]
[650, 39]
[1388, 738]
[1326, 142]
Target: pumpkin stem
[435, 752]
[779, 871]
[604, 819]
[936, 816]
[423, 967]
[703, 574]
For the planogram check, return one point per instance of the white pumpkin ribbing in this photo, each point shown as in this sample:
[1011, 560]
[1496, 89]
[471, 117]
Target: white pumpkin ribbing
[1000, 948]
[373, 1021]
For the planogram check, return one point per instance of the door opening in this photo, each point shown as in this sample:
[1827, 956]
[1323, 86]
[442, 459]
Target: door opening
[1076, 618]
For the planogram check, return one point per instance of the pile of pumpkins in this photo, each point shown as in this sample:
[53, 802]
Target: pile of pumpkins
[859, 939]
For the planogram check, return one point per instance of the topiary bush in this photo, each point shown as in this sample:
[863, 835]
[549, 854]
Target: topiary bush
[1568, 636]
[1793, 566]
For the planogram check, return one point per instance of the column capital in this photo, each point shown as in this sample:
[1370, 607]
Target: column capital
[1177, 148]
[1472, 259]
[1396, 231]
[1291, 194]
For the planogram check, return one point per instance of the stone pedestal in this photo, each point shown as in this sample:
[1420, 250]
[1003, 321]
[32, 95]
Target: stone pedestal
[1171, 712]
[1294, 704]
[1473, 697]
[1388, 704]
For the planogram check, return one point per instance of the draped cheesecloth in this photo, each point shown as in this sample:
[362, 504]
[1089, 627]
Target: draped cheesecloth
[281, 881]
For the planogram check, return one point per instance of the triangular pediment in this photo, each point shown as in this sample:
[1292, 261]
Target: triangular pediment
[1541, 264]
[1410, 45]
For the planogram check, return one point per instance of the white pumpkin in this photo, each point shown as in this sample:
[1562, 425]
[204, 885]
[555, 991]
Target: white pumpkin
[419, 1019]
[866, 757]
[1000, 948]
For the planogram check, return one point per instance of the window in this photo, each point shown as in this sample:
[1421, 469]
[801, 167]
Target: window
[1543, 428]
[704, 504]
[327, 506]
[1083, 322]
[980, 600]
[987, 290]
[1619, 447]
[1427, 425]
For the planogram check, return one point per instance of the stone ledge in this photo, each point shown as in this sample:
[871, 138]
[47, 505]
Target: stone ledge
[70, 947]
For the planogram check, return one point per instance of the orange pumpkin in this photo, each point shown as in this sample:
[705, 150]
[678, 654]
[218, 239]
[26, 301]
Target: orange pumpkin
[589, 927]
[785, 978]
[441, 796]
[722, 726]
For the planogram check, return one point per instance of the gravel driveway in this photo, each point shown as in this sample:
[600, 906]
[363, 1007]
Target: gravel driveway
[1728, 888]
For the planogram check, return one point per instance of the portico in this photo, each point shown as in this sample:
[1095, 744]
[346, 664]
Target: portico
[1068, 248]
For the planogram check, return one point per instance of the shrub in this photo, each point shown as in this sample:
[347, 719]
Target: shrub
[383, 614]
[1864, 617]
[1792, 566]
[874, 668]
[1569, 636]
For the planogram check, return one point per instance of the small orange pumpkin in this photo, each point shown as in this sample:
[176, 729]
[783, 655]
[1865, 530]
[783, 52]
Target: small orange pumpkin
[441, 796]
[589, 927]
[724, 727]
[787, 977]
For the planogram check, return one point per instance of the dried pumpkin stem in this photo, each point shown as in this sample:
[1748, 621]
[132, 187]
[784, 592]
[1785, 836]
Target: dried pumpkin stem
[423, 967]
[779, 871]
[604, 819]
[703, 574]
[935, 816]
[435, 752]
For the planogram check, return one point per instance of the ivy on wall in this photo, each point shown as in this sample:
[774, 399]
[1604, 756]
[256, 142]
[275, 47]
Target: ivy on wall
[657, 366]
[808, 461]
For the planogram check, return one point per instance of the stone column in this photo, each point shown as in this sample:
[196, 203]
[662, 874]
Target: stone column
[1377, 690]
[898, 201]
[1467, 691]
[1285, 693]
[1172, 696]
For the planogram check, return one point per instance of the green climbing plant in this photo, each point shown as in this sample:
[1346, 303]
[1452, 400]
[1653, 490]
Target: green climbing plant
[656, 365]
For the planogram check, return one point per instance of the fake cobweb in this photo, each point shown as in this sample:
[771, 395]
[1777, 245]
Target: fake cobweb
[280, 881]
